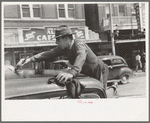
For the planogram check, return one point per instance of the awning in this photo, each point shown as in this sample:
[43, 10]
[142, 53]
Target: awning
[130, 41]
[33, 44]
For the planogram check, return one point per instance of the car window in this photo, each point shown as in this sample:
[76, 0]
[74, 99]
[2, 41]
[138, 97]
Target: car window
[108, 62]
[117, 61]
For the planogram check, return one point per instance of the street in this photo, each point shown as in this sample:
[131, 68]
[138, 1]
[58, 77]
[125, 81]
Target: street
[135, 89]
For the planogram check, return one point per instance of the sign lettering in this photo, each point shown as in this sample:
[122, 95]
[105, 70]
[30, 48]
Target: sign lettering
[48, 34]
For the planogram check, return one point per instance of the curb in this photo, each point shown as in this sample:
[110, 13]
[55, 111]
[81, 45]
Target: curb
[139, 74]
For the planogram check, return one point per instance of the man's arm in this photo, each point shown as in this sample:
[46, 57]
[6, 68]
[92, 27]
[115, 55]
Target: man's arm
[42, 56]
[81, 53]
[47, 55]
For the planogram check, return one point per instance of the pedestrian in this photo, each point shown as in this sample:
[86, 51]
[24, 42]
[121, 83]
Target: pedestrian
[79, 54]
[138, 62]
[143, 60]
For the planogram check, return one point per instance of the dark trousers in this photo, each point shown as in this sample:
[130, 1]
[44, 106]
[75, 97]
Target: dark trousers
[143, 67]
[102, 73]
[104, 76]
[138, 65]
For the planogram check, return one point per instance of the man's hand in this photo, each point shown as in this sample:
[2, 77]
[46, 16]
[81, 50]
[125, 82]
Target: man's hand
[23, 62]
[63, 77]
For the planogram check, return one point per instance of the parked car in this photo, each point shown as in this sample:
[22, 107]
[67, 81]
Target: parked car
[118, 68]
[22, 85]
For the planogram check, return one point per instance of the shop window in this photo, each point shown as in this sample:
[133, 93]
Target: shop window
[28, 65]
[30, 10]
[66, 10]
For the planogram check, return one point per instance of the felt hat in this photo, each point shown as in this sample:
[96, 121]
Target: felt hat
[62, 31]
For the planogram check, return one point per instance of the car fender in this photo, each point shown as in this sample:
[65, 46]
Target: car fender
[125, 71]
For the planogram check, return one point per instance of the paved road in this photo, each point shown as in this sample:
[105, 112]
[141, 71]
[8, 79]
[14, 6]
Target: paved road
[137, 88]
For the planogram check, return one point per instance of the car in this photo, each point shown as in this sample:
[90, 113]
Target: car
[20, 85]
[38, 88]
[118, 68]
[24, 84]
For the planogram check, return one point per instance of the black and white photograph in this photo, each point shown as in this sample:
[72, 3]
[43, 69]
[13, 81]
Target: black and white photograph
[75, 61]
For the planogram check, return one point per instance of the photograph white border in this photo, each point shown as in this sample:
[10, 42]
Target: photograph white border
[69, 110]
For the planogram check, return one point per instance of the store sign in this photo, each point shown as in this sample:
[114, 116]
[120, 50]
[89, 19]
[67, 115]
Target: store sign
[136, 7]
[79, 32]
[39, 34]
[48, 34]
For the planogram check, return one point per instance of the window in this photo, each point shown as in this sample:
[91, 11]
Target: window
[25, 11]
[117, 61]
[36, 10]
[31, 11]
[108, 62]
[24, 55]
[70, 10]
[66, 10]
[61, 8]
[121, 10]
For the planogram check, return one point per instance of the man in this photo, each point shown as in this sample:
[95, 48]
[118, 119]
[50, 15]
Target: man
[138, 61]
[143, 60]
[79, 55]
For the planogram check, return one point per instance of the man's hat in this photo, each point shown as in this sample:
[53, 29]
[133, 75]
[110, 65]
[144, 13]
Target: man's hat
[62, 31]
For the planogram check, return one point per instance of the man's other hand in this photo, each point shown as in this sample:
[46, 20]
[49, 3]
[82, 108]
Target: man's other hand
[63, 77]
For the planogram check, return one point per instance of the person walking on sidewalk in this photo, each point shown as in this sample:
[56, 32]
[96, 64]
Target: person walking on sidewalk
[143, 60]
[138, 62]
[79, 55]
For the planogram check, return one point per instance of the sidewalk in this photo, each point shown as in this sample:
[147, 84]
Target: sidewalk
[139, 73]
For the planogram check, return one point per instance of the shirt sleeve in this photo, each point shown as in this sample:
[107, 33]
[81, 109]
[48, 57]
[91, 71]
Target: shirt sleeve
[81, 53]
[47, 55]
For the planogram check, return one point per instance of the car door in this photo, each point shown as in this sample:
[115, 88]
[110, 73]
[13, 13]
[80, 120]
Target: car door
[117, 65]
[108, 62]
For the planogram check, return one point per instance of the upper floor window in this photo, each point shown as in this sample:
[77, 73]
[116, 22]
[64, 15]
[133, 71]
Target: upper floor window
[70, 10]
[36, 10]
[61, 8]
[122, 10]
[25, 11]
[30, 10]
[66, 10]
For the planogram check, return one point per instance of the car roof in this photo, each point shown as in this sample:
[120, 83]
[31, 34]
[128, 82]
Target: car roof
[109, 57]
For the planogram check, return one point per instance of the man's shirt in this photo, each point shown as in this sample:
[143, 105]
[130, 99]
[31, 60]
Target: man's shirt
[138, 57]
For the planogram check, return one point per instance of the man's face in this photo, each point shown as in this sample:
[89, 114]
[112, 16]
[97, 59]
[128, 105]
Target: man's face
[62, 42]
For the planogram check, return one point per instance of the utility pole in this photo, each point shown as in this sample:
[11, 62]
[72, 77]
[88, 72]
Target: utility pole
[112, 31]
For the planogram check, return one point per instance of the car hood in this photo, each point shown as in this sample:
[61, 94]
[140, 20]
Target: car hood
[32, 86]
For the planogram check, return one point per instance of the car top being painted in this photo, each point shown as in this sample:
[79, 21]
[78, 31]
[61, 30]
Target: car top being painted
[37, 88]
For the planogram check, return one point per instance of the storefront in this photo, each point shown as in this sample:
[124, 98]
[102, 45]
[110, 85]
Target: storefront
[31, 41]
[129, 48]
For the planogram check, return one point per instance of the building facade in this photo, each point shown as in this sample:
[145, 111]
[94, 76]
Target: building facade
[128, 25]
[30, 29]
